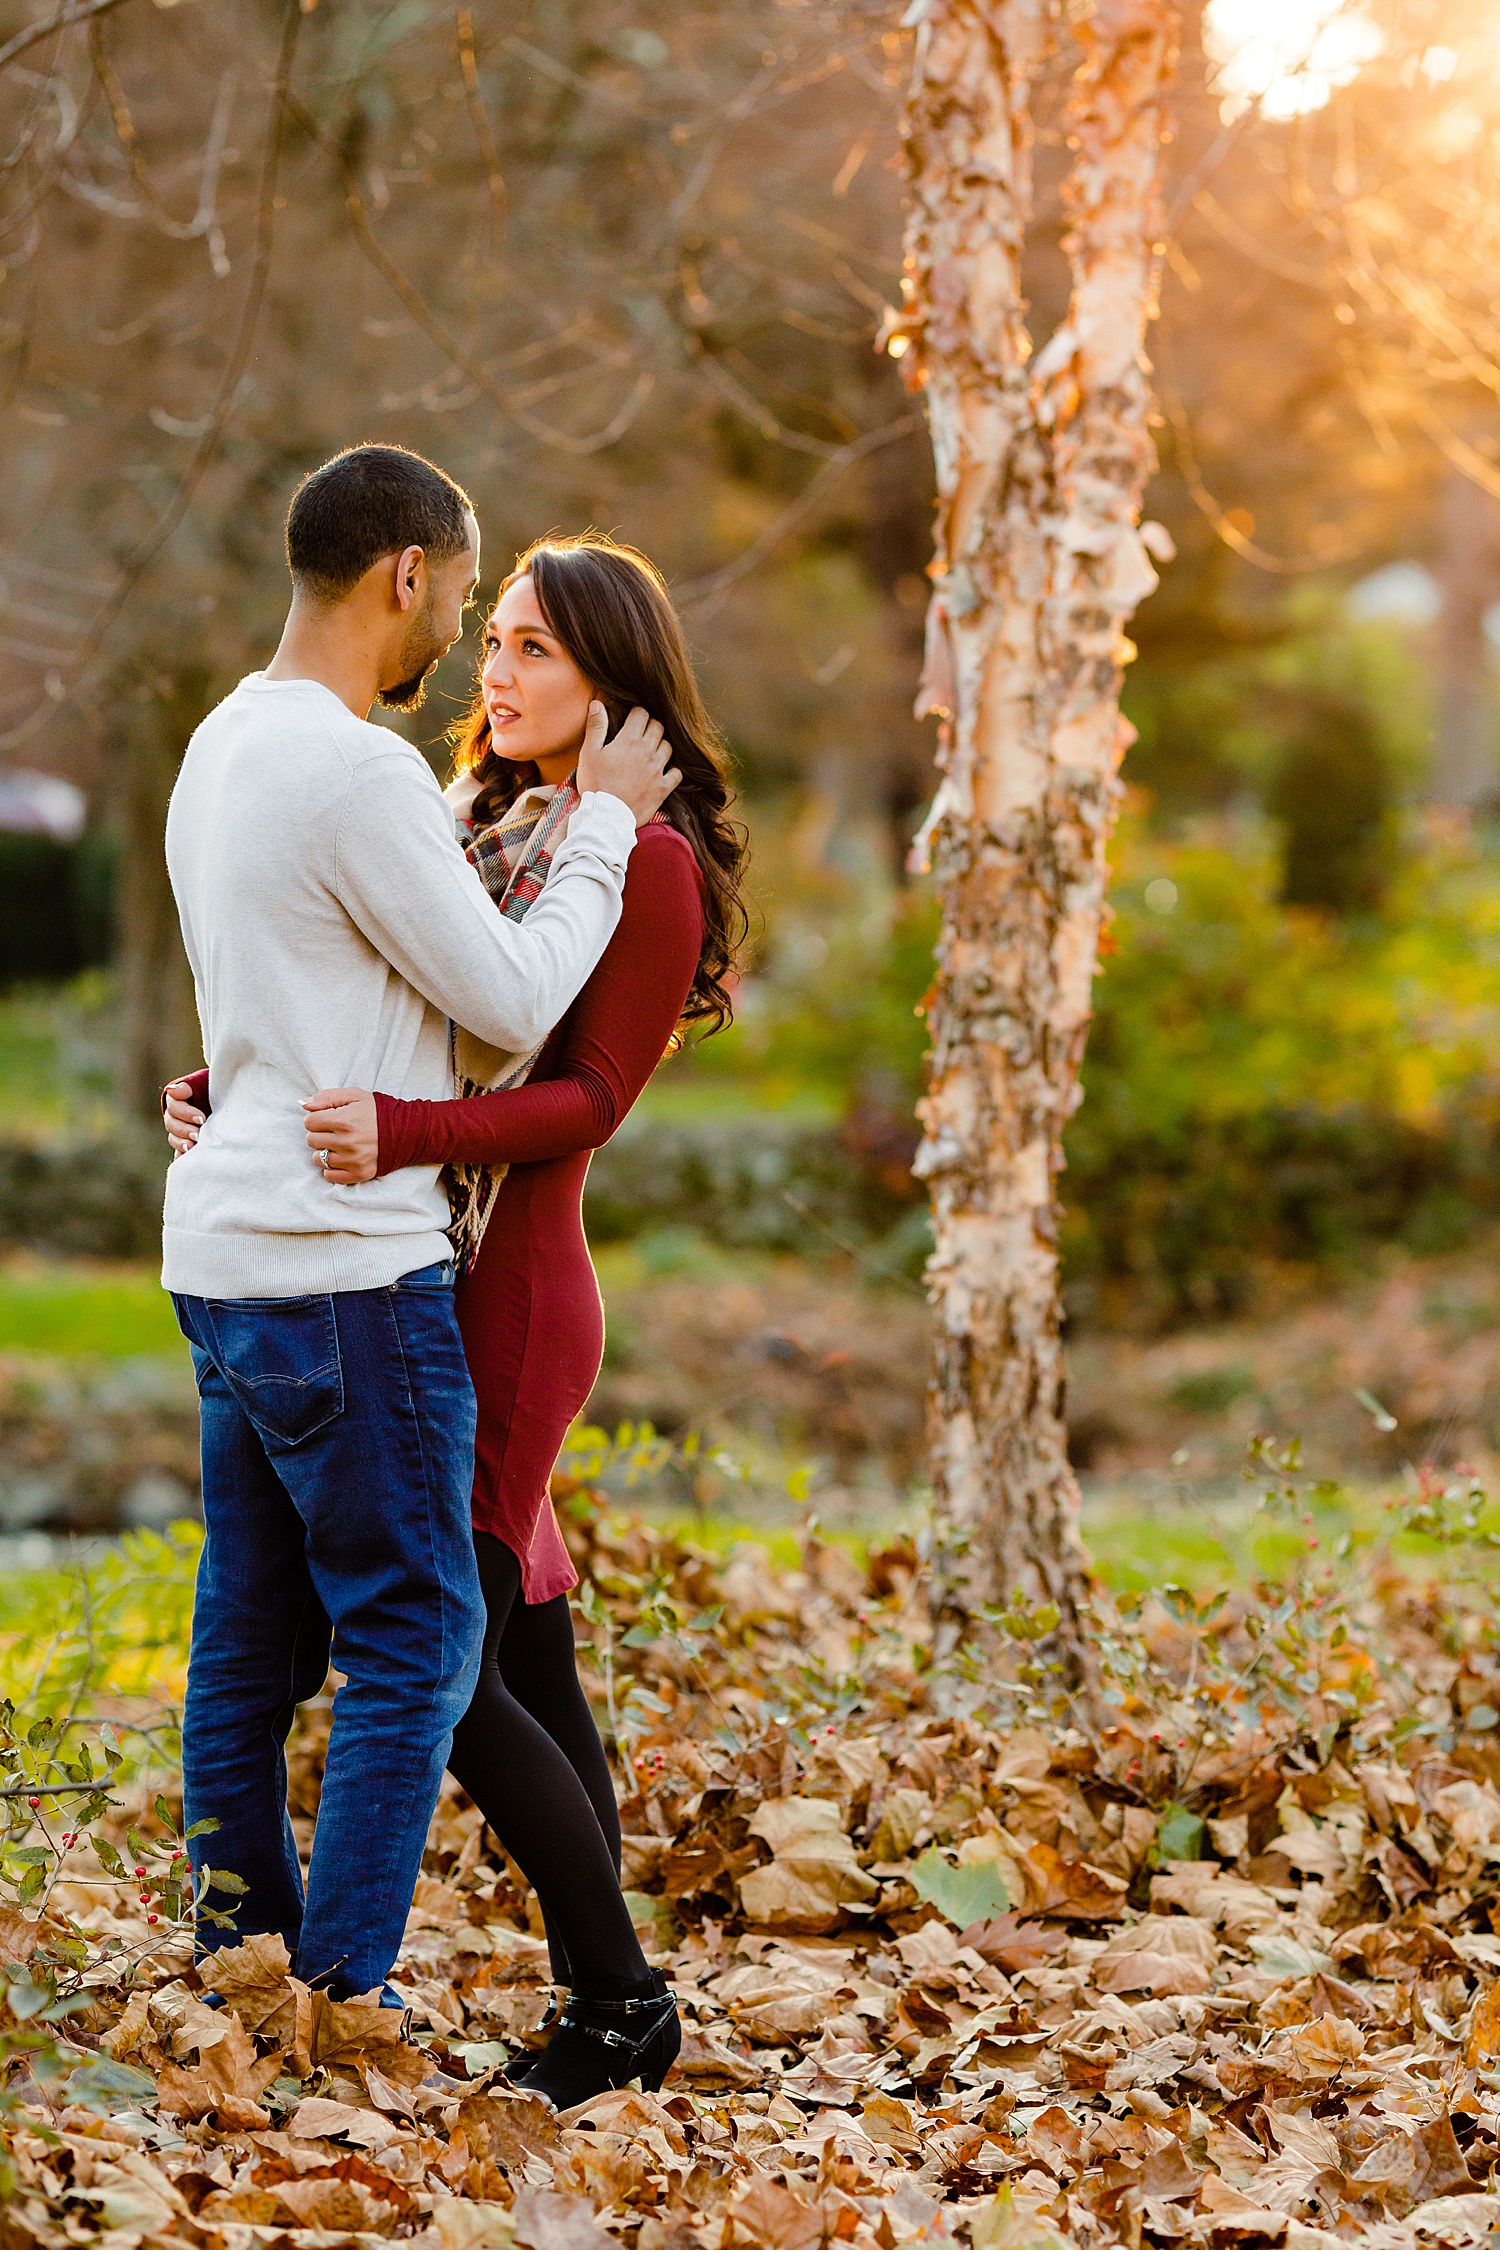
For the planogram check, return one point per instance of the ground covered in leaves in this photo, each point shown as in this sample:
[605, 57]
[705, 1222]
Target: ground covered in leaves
[1211, 1958]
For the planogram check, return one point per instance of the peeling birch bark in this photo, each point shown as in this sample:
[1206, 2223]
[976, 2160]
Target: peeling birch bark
[1040, 561]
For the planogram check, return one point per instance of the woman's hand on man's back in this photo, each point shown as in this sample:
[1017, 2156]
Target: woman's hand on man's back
[182, 1121]
[343, 1132]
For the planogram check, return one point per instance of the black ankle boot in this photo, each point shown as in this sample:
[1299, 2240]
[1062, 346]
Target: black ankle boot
[601, 2044]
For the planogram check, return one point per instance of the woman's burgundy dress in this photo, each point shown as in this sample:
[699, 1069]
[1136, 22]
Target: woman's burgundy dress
[530, 1311]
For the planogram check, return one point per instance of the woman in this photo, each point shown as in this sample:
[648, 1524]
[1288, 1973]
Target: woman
[579, 622]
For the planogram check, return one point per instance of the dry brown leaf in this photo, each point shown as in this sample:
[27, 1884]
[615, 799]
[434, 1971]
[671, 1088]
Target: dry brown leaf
[778, 2012]
[1412, 2168]
[1067, 2058]
[1227, 2216]
[344, 2030]
[814, 1874]
[633, 2114]
[1483, 2043]
[1320, 2050]
[335, 2204]
[1458, 2220]
[903, 1813]
[1013, 1943]
[890, 2122]
[1073, 1887]
[707, 2063]
[230, 2076]
[460, 2225]
[1240, 1909]
[1161, 1953]
[511, 2128]
[133, 2026]
[255, 1978]
[545, 2220]
[316, 2118]
[19, 1936]
[768, 2214]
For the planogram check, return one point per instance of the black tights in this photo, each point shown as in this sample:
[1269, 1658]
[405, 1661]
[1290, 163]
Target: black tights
[528, 1753]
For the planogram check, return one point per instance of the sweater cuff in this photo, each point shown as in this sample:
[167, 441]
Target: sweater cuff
[400, 1130]
[605, 823]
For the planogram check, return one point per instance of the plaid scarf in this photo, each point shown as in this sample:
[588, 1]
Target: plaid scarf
[513, 859]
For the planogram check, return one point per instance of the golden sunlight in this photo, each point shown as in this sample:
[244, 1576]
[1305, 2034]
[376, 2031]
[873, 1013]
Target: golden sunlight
[1285, 56]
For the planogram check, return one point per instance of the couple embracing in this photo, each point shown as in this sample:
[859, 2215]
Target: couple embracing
[419, 1018]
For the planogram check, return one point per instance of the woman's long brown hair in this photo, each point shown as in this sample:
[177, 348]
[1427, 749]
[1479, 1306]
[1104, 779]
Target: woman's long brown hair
[610, 609]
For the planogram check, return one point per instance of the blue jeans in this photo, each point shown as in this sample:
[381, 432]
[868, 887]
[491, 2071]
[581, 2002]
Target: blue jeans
[338, 1458]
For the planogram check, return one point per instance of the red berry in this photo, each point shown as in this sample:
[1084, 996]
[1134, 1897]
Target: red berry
[33, 1802]
[153, 1917]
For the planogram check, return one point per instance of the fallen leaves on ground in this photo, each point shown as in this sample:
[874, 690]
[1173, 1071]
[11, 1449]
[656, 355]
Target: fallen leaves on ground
[1234, 1980]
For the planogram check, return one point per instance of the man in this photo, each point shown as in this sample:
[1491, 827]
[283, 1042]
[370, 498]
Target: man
[334, 926]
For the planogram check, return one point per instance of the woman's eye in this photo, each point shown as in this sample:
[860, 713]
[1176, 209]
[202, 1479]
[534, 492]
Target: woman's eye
[533, 648]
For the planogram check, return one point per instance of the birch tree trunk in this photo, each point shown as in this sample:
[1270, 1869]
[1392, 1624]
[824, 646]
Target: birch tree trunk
[1041, 462]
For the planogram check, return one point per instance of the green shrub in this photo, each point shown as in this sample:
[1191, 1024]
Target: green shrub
[1331, 797]
[1264, 1083]
[56, 906]
[99, 1199]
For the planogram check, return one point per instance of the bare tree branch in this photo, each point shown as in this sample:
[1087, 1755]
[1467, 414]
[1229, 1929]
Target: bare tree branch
[483, 132]
[442, 335]
[64, 20]
[706, 593]
[144, 553]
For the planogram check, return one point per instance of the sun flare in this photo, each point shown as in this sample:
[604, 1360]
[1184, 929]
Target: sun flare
[1286, 56]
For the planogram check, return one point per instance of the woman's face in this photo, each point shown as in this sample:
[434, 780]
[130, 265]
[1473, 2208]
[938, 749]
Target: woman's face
[536, 697]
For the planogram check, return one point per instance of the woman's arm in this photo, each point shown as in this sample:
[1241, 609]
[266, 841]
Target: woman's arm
[613, 1039]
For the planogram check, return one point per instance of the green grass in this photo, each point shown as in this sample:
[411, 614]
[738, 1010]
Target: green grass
[32, 1094]
[107, 1629]
[1202, 1546]
[84, 1311]
[679, 1095]
[113, 1621]
[55, 1059]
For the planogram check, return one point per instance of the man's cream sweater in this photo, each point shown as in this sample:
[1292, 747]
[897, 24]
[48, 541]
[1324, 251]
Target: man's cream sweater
[333, 926]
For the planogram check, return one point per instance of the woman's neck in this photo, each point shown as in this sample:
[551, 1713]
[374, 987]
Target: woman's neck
[556, 768]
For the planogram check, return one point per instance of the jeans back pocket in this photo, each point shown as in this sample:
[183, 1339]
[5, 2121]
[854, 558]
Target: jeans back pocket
[280, 1357]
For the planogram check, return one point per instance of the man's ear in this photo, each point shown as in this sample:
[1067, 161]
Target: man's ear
[411, 577]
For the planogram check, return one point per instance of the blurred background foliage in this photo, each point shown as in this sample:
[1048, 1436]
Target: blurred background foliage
[621, 263]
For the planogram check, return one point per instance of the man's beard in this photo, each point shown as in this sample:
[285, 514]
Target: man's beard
[422, 650]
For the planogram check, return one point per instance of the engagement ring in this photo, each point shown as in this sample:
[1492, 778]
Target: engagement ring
[323, 1158]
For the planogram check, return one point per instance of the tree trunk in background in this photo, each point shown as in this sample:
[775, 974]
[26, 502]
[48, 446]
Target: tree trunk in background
[1466, 769]
[1040, 467]
[159, 1034]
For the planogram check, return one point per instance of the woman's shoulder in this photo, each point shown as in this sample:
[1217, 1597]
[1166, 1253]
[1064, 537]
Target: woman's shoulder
[662, 855]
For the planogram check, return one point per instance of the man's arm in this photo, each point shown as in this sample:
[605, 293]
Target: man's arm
[408, 887]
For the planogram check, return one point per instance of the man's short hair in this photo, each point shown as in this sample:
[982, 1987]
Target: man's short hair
[371, 501]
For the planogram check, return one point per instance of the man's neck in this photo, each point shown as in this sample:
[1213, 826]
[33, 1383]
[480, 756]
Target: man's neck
[325, 645]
